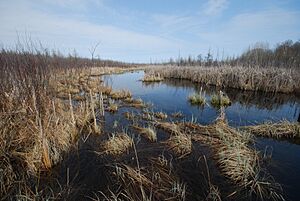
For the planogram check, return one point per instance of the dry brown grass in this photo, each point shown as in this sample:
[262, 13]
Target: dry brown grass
[160, 115]
[245, 78]
[117, 144]
[236, 160]
[148, 132]
[156, 182]
[152, 78]
[122, 94]
[283, 129]
[180, 144]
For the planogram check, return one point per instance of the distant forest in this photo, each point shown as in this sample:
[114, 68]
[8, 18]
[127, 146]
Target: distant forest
[285, 54]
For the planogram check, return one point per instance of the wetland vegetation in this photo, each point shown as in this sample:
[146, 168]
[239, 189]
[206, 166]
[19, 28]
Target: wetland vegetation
[80, 129]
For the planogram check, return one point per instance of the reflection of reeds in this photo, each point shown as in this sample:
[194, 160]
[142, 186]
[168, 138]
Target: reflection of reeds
[283, 129]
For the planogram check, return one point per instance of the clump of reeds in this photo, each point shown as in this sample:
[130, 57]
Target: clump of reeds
[160, 115]
[117, 144]
[129, 115]
[122, 94]
[137, 103]
[152, 78]
[112, 107]
[172, 128]
[147, 132]
[283, 129]
[180, 144]
[197, 98]
[220, 100]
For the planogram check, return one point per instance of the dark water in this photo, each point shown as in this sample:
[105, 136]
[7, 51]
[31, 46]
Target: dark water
[247, 108]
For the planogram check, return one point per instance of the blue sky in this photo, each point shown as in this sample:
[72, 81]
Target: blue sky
[137, 30]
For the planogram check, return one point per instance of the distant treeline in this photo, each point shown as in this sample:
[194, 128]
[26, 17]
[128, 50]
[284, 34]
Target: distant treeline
[56, 59]
[285, 54]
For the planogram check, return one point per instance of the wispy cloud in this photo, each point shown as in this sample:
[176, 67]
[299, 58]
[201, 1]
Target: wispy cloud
[77, 34]
[244, 29]
[215, 7]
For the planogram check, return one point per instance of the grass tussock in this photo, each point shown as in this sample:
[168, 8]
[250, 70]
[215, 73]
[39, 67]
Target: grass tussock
[283, 129]
[170, 127]
[152, 78]
[117, 144]
[148, 132]
[122, 94]
[160, 115]
[197, 99]
[253, 78]
[180, 144]
[220, 100]
[112, 107]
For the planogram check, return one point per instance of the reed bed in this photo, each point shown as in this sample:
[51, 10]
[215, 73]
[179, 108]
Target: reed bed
[269, 79]
[117, 144]
[36, 129]
[281, 130]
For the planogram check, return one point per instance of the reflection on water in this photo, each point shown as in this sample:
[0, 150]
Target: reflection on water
[171, 95]
[247, 108]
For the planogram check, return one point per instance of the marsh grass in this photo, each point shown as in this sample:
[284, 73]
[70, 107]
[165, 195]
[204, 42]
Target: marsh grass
[160, 115]
[148, 132]
[180, 144]
[122, 94]
[283, 129]
[155, 182]
[152, 78]
[253, 78]
[112, 107]
[177, 115]
[117, 144]
[220, 100]
[197, 99]
[235, 158]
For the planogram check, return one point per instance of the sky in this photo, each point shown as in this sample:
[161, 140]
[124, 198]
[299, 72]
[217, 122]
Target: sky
[149, 30]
